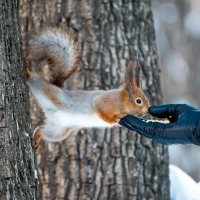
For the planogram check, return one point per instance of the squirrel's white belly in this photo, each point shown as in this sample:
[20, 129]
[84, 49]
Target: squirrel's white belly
[75, 120]
[57, 122]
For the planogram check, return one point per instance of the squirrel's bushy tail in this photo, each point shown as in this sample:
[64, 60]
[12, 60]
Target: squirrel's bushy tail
[59, 49]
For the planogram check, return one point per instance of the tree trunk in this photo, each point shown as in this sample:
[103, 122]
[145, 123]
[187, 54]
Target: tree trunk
[104, 163]
[18, 175]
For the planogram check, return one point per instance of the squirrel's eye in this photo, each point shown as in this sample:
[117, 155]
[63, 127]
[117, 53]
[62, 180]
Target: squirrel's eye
[138, 101]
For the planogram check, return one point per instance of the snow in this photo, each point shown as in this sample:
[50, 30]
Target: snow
[26, 134]
[36, 174]
[182, 186]
[94, 144]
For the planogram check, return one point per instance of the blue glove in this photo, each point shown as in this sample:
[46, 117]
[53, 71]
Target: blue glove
[184, 126]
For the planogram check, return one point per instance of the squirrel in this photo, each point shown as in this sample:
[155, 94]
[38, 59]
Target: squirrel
[73, 108]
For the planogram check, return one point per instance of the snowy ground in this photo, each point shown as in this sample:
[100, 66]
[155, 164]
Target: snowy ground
[182, 186]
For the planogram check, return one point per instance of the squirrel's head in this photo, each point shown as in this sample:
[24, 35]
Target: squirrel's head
[136, 103]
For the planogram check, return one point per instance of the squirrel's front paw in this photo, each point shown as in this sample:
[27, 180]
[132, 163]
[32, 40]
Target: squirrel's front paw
[118, 117]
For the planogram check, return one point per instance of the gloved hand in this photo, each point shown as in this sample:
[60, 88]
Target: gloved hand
[184, 126]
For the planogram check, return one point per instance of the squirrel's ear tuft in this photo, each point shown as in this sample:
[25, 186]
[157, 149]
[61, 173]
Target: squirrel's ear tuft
[132, 78]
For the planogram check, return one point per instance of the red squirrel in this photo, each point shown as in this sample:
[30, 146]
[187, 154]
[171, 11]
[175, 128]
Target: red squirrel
[73, 108]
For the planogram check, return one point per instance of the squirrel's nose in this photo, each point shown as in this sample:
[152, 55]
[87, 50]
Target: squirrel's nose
[145, 110]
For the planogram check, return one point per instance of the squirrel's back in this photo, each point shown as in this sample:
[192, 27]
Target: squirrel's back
[59, 49]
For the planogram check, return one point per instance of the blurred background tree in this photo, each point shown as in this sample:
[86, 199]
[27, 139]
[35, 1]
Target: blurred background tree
[177, 25]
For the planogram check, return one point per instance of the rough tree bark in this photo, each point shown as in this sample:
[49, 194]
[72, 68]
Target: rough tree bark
[18, 175]
[104, 163]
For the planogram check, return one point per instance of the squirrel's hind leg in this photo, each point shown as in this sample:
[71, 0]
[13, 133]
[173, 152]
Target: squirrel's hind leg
[37, 138]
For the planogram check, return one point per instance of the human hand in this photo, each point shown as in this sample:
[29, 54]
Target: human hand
[184, 126]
